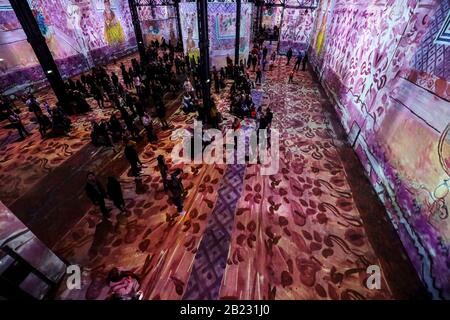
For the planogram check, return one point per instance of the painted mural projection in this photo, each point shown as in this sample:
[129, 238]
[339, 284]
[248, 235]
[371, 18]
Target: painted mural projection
[158, 23]
[271, 17]
[296, 29]
[430, 67]
[189, 25]
[323, 17]
[374, 56]
[222, 30]
[79, 34]
[18, 63]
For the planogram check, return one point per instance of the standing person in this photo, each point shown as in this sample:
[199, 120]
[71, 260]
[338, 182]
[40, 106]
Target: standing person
[198, 88]
[188, 87]
[123, 69]
[264, 63]
[254, 61]
[115, 80]
[15, 120]
[131, 75]
[291, 76]
[97, 92]
[273, 56]
[258, 75]
[126, 79]
[305, 61]
[298, 61]
[289, 56]
[264, 52]
[115, 127]
[114, 191]
[148, 126]
[161, 114]
[133, 158]
[163, 170]
[176, 191]
[44, 123]
[269, 117]
[137, 83]
[236, 128]
[96, 193]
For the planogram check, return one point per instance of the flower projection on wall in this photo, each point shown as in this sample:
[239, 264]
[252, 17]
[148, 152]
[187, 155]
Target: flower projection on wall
[221, 29]
[79, 34]
[373, 59]
[296, 29]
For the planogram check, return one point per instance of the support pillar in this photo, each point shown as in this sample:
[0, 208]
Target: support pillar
[260, 8]
[202, 14]
[137, 30]
[40, 48]
[238, 32]
[256, 26]
[279, 30]
[177, 10]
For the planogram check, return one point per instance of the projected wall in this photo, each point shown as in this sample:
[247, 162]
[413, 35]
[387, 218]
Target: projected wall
[221, 29]
[296, 29]
[158, 23]
[271, 17]
[79, 34]
[385, 65]
[430, 67]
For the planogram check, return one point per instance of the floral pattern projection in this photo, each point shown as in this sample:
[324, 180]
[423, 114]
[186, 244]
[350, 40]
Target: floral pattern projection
[79, 34]
[298, 233]
[400, 130]
[157, 23]
[222, 30]
[296, 29]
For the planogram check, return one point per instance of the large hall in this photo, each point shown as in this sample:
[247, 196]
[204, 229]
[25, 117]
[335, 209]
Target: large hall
[224, 150]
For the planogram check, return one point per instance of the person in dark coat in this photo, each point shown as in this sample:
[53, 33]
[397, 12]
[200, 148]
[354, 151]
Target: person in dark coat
[133, 158]
[115, 79]
[44, 123]
[114, 191]
[176, 191]
[163, 170]
[161, 114]
[305, 61]
[289, 56]
[96, 193]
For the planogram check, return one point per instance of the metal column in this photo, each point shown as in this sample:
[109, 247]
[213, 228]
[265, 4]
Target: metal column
[279, 31]
[137, 30]
[177, 10]
[238, 32]
[202, 13]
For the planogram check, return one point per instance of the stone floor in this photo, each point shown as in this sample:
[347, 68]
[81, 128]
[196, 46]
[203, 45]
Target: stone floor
[308, 232]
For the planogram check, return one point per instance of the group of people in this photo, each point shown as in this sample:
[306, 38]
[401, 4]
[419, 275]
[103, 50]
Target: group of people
[155, 79]
[301, 59]
[53, 119]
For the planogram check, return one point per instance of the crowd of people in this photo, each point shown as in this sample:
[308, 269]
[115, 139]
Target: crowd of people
[145, 85]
